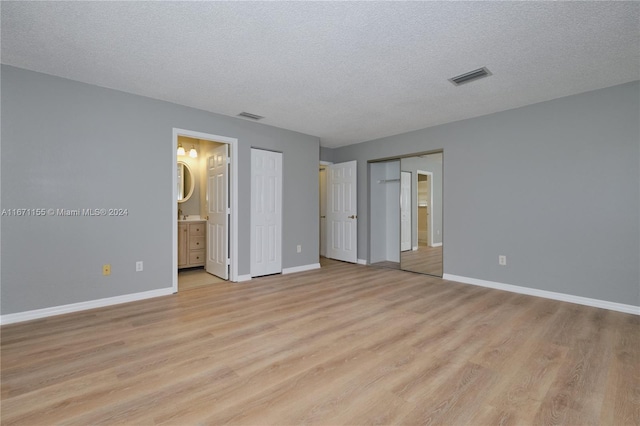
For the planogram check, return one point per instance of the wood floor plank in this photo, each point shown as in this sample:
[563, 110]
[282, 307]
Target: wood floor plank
[622, 395]
[577, 395]
[345, 344]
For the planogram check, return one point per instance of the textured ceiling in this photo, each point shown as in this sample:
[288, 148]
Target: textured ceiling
[346, 72]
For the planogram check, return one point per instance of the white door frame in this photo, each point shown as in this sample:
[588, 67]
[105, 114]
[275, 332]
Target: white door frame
[323, 166]
[430, 174]
[233, 223]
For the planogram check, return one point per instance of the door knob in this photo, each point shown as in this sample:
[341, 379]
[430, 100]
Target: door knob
[353, 216]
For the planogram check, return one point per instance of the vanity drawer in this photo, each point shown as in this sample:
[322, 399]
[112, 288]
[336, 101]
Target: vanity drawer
[196, 229]
[196, 243]
[196, 257]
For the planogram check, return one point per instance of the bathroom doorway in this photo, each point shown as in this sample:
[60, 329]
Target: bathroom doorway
[205, 232]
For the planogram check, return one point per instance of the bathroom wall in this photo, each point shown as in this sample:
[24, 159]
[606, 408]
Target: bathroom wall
[192, 205]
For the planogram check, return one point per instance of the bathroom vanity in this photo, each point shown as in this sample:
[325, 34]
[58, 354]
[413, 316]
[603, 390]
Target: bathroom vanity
[192, 243]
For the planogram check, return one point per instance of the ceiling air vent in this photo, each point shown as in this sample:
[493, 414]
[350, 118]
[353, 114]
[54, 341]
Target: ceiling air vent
[250, 116]
[470, 76]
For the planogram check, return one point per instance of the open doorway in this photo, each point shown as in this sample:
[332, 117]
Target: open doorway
[205, 209]
[338, 226]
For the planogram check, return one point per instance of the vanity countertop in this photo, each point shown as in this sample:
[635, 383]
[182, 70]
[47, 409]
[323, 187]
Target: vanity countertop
[189, 220]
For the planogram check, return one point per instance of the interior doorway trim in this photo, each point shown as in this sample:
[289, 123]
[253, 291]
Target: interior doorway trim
[323, 201]
[233, 222]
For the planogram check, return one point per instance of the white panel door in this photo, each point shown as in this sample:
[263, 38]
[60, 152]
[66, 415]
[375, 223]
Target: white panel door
[266, 212]
[342, 212]
[405, 211]
[218, 212]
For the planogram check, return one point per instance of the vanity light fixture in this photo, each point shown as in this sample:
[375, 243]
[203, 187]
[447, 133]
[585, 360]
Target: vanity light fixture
[180, 149]
[192, 152]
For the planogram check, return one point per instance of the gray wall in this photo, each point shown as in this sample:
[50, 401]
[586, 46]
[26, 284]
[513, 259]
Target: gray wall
[384, 212]
[378, 214]
[326, 154]
[554, 186]
[71, 145]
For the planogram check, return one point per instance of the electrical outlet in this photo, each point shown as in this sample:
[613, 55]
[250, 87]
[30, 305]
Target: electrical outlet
[299, 248]
[502, 260]
[106, 269]
[139, 266]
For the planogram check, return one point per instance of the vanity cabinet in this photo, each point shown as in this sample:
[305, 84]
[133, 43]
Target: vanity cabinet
[192, 242]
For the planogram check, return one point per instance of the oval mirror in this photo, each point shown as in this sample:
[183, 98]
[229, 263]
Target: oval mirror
[185, 182]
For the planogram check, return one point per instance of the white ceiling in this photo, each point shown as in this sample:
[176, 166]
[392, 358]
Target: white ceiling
[346, 72]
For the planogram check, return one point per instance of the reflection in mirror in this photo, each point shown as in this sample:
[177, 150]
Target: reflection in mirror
[185, 182]
[421, 214]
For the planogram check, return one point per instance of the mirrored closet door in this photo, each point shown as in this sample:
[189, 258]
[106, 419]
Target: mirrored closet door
[405, 212]
[421, 213]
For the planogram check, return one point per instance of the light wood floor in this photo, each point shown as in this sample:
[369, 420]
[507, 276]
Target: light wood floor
[387, 264]
[346, 344]
[194, 278]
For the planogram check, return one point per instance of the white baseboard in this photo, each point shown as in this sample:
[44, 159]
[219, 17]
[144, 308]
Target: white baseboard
[415, 248]
[437, 245]
[596, 303]
[242, 278]
[300, 268]
[362, 261]
[82, 306]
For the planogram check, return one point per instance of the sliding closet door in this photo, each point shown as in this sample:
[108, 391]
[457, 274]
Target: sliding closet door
[425, 227]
